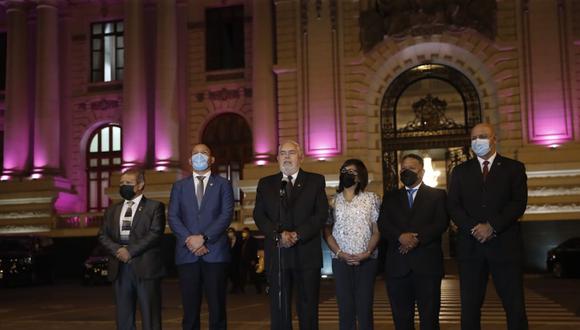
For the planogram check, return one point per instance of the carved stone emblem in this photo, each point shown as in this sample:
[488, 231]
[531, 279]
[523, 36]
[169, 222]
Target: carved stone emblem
[401, 18]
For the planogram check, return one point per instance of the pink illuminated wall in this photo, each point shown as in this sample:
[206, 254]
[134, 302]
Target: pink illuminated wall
[547, 77]
[322, 124]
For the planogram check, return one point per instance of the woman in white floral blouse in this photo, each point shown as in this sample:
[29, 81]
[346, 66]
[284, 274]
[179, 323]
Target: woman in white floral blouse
[352, 236]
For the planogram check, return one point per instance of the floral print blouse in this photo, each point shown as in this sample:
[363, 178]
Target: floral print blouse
[353, 222]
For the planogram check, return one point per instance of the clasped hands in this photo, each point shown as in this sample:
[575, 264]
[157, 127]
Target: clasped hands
[408, 241]
[196, 245]
[483, 232]
[353, 259]
[288, 239]
[123, 254]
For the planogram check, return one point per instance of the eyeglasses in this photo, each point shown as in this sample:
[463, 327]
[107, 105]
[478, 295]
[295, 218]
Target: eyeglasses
[348, 171]
[284, 153]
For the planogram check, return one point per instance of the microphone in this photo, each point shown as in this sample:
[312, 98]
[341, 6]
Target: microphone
[283, 185]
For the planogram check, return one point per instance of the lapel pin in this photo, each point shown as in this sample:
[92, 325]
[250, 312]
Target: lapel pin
[140, 208]
[299, 185]
[211, 184]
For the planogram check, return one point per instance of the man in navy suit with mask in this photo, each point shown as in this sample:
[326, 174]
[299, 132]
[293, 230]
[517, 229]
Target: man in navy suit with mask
[200, 210]
[487, 196]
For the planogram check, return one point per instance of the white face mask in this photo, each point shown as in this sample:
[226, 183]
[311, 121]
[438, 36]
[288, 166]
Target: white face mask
[480, 147]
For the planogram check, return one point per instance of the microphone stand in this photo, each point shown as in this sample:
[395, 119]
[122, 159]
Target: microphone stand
[282, 215]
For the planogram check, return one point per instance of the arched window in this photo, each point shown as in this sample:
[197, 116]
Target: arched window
[103, 158]
[230, 138]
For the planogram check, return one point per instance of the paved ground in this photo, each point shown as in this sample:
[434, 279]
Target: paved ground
[551, 304]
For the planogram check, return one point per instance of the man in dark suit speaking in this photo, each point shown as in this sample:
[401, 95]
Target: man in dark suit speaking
[412, 220]
[291, 208]
[131, 232]
[201, 207]
[487, 196]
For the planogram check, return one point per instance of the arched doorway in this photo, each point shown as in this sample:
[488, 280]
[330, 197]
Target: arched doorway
[230, 140]
[429, 108]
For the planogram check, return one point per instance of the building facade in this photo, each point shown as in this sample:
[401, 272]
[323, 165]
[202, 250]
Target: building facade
[94, 86]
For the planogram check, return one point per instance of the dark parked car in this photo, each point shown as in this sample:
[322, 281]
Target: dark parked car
[96, 267]
[26, 260]
[564, 260]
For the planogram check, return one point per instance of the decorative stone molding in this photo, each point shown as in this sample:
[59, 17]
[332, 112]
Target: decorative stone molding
[558, 191]
[550, 208]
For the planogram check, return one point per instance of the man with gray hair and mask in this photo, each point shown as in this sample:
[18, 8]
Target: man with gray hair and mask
[291, 208]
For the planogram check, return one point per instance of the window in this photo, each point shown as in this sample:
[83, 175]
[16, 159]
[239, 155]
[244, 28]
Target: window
[224, 40]
[107, 51]
[103, 158]
[2, 61]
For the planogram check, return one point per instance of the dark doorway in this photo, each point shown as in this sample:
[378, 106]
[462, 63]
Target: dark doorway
[230, 140]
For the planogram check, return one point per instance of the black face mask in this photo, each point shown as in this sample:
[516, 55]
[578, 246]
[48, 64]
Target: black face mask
[347, 180]
[127, 191]
[408, 178]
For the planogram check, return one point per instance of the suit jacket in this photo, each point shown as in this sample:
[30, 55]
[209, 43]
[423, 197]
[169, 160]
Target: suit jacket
[144, 241]
[212, 218]
[501, 201]
[428, 218]
[306, 212]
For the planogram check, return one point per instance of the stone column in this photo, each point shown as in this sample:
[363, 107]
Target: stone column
[134, 115]
[166, 86]
[47, 108]
[263, 100]
[17, 120]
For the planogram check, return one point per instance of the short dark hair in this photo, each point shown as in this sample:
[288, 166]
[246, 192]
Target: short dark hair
[414, 156]
[362, 174]
[137, 172]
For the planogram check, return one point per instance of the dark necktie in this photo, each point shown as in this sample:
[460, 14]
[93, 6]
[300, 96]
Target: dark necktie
[410, 196]
[289, 187]
[485, 169]
[199, 191]
[126, 223]
[129, 212]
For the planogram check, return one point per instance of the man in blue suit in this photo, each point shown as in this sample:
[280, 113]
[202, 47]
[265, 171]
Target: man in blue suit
[200, 210]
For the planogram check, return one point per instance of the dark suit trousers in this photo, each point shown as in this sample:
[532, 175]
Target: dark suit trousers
[425, 289]
[128, 290]
[210, 278]
[355, 287]
[508, 280]
[306, 284]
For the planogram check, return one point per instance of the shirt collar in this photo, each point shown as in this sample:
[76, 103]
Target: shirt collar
[135, 200]
[415, 188]
[294, 175]
[206, 175]
[490, 160]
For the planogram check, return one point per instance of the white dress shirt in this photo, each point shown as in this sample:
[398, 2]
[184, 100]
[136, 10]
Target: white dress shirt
[136, 202]
[490, 160]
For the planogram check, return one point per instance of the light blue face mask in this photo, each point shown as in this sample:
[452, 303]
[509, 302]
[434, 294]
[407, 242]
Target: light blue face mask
[199, 162]
[480, 147]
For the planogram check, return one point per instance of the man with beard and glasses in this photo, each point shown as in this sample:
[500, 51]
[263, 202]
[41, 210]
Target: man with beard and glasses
[412, 220]
[291, 208]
